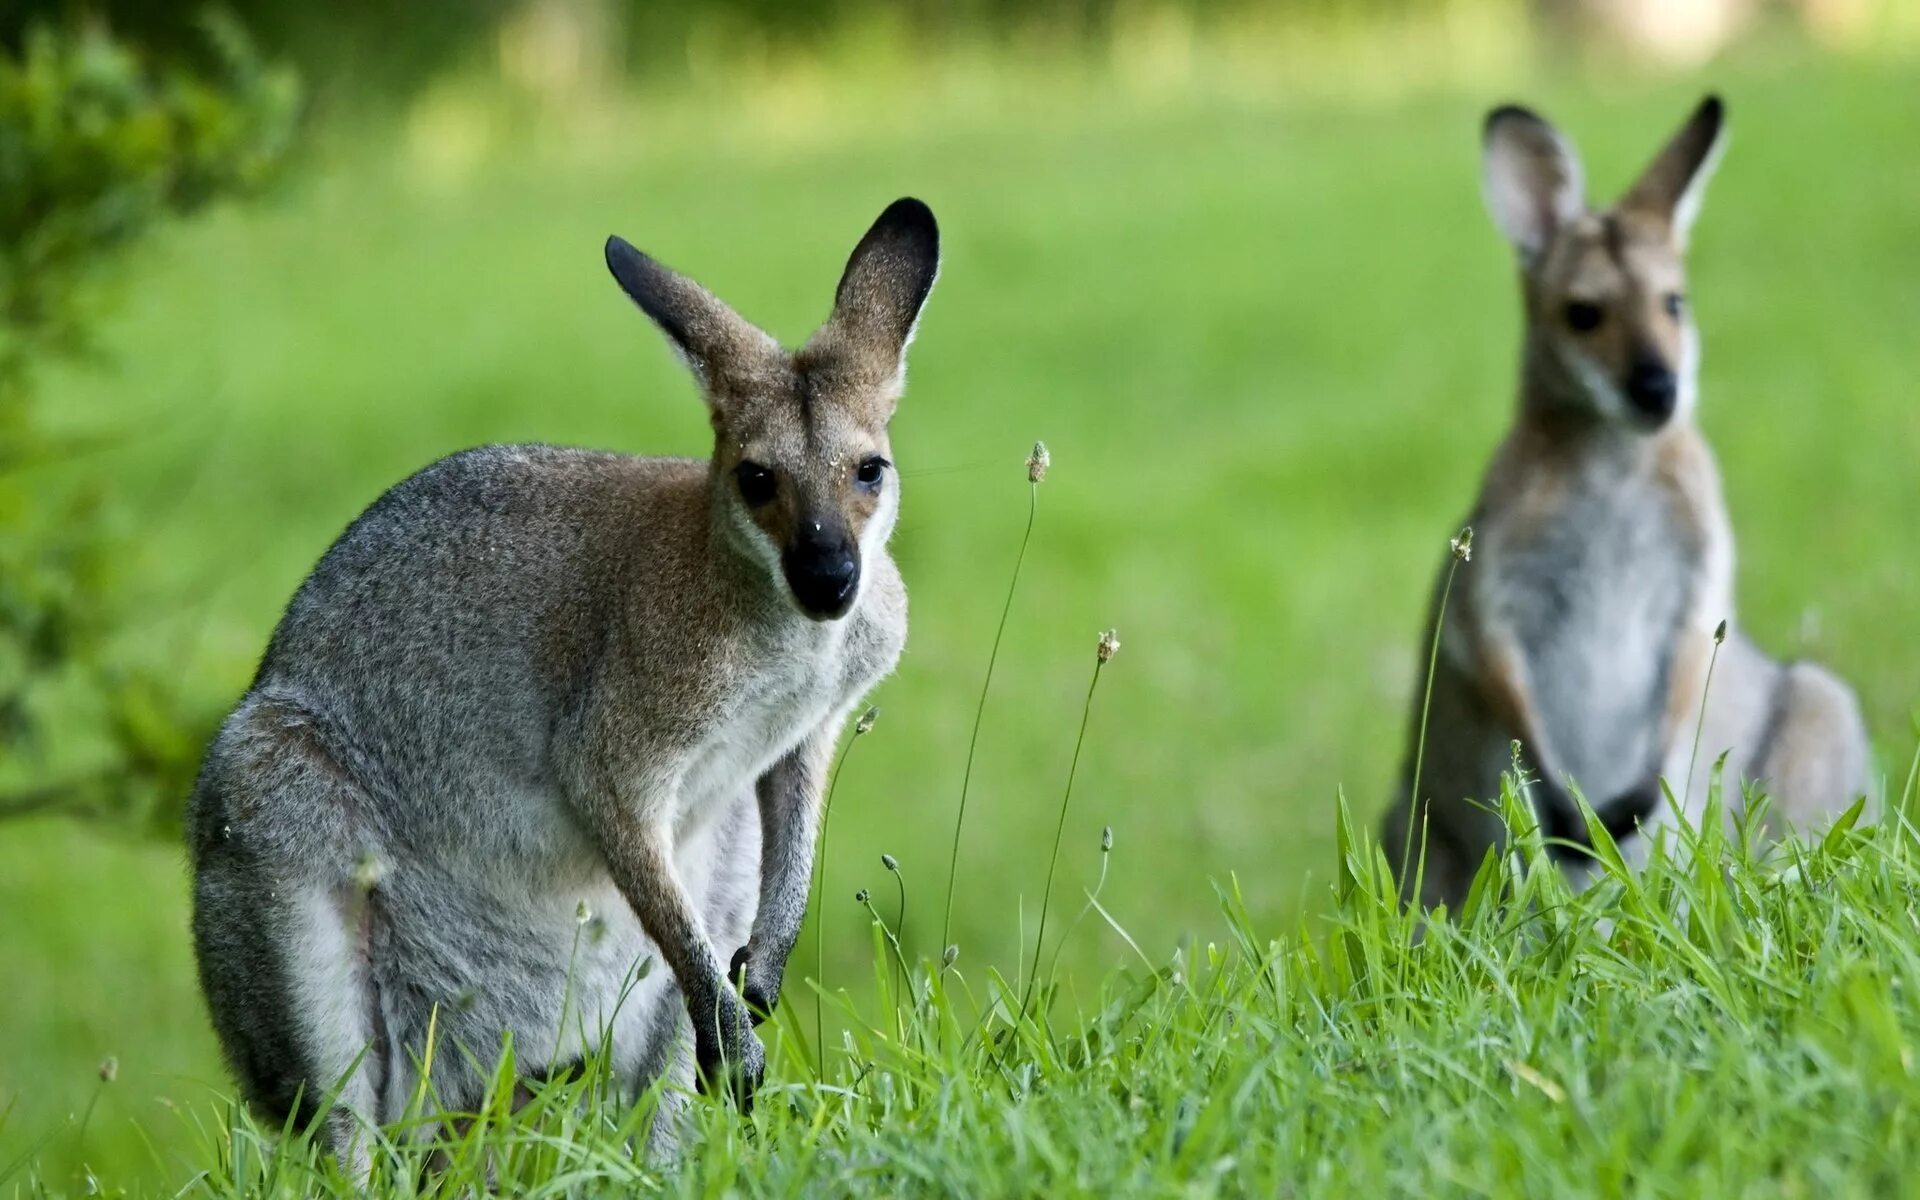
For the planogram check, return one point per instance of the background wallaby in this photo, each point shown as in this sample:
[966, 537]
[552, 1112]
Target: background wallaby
[1602, 557]
[529, 678]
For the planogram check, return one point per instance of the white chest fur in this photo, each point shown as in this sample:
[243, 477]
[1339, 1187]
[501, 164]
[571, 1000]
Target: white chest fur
[797, 684]
[1595, 597]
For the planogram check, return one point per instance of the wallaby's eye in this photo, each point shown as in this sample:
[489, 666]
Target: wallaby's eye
[872, 471]
[1583, 317]
[1675, 304]
[757, 485]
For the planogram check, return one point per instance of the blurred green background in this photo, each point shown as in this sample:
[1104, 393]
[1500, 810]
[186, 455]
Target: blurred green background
[1228, 261]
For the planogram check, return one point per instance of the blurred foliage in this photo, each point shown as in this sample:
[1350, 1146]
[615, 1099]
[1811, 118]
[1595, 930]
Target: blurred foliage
[365, 47]
[366, 42]
[97, 145]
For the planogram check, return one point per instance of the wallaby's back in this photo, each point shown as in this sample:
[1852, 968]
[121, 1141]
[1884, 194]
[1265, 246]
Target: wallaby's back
[491, 579]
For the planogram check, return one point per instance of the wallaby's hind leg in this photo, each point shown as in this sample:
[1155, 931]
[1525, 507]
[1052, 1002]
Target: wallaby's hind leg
[1813, 761]
[286, 921]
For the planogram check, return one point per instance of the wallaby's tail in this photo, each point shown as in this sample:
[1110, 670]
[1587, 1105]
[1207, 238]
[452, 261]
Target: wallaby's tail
[1813, 756]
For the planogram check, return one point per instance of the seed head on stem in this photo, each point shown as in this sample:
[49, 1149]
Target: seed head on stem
[368, 871]
[1462, 545]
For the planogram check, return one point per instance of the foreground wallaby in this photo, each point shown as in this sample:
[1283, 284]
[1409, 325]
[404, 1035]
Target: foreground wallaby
[541, 715]
[1602, 560]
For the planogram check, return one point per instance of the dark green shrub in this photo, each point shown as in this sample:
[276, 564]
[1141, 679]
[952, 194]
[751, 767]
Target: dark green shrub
[98, 144]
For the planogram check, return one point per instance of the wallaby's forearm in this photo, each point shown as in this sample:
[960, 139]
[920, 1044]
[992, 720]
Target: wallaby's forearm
[642, 868]
[632, 825]
[640, 858]
[1507, 688]
[789, 795]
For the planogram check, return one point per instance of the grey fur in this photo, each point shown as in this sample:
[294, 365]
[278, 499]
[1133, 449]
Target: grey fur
[530, 678]
[1602, 557]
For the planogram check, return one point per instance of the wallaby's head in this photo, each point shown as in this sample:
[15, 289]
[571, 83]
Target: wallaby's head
[803, 476]
[1608, 325]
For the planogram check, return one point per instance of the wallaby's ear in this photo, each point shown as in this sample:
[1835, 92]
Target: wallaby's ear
[881, 292]
[1531, 177]
[710, 336]
[1674, 183]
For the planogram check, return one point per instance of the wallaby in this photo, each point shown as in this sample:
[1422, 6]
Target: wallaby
[1601, 556]
[542, 715]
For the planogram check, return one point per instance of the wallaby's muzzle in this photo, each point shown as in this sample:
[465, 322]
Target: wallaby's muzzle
[823, 569]
[1652, 390]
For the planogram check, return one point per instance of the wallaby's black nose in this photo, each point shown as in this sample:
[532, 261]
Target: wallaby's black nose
[823, 580]
[1652, 389]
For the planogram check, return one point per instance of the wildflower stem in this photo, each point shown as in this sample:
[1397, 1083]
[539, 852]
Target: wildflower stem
[93, 1101]
[819, 906]
[566, 991]
[865, 900]
[1700, 726]
[1461, 547]
[1053, 860]
[900, 930]
[979, 712]
[1905, 807]
[1093, 900]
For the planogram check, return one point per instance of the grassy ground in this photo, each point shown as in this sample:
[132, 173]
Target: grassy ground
[1717, 1026]
[1270, 345]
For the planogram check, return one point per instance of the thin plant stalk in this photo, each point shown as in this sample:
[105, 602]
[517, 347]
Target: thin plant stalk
[1093, 902]
[980, 710]
[581, 915]
[1905, 808]
[819, 905]
[109, 1068]
[1700, 726]
[864, 899]
[1053, 860]
[900, 921]
[1462, 551]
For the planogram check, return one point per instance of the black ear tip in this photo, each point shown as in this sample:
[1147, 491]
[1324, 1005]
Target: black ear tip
[1509, 112]
[913, 218]
[1713, 108]
[632, 270]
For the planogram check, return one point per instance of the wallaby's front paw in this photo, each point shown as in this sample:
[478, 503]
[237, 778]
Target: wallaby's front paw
[1559, 817]
[1625, 812]
[759, 986]
[732, 1058]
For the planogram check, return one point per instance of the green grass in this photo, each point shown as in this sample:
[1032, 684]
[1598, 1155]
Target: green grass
[1270, 344]
[1720, 1024]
